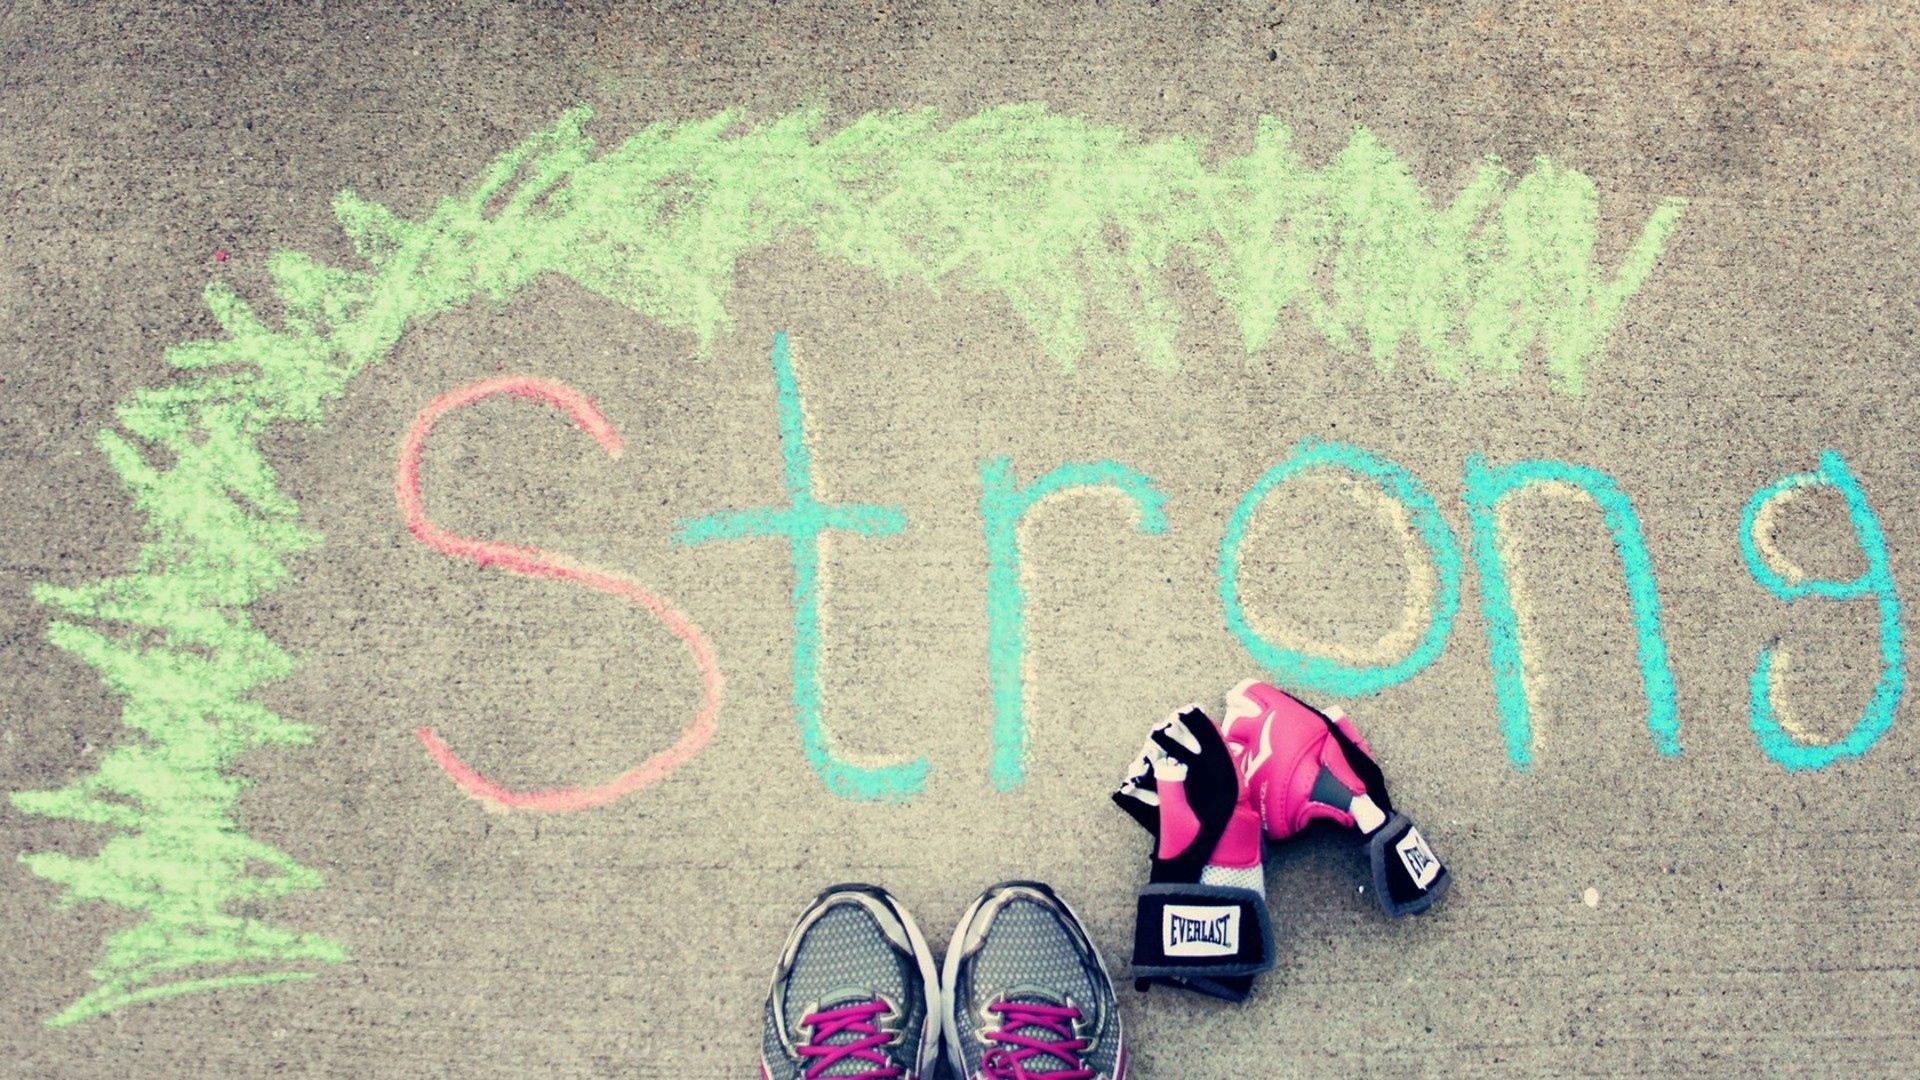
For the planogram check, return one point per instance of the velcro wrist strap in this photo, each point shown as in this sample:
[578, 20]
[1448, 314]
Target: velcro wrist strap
[1205, 930]
[1234, 988]
[1407, 876]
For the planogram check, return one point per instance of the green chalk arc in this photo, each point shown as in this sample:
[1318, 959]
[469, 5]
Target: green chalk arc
[1053, 216]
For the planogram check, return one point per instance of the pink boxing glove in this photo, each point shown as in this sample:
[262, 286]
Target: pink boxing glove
[1300, 765]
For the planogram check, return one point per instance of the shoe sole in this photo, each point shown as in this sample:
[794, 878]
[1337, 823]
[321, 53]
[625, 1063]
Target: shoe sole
[929, 1054]
[950, 972]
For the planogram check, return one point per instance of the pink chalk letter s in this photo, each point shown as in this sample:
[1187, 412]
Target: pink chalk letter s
[538, 562]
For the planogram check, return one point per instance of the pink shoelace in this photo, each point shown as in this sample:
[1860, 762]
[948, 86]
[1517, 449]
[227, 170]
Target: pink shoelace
[856, 1020]
[1020, 1047]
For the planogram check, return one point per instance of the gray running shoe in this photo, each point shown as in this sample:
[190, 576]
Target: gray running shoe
[855, 995]
[1027, 996]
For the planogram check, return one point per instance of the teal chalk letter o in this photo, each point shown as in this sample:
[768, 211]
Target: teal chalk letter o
[1305, 670]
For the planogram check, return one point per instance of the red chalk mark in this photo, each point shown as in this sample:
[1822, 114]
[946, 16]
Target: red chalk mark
[538, 562]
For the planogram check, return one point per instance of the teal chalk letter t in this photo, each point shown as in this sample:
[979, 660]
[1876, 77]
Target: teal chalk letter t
[801, 525]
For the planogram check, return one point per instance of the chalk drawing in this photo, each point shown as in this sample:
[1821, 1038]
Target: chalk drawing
[1762, 532]
[1316, 671]
[1416, 610]
[1004, 505]
[801, 524]
[173, 640]
[1486, 489]
[1787, 581]
[538, 562]
[1046, 213]
[1057, 217]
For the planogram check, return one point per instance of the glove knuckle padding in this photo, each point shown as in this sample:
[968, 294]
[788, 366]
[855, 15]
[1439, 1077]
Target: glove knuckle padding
[1306, 765]
[1290, 753]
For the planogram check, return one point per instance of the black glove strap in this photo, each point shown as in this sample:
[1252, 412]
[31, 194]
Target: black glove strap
[1407, 876]
[1362, 764]
[1234, 988]
[1201, 930]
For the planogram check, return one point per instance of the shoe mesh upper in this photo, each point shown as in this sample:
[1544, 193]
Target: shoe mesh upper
[1029, 946]
[843, 957]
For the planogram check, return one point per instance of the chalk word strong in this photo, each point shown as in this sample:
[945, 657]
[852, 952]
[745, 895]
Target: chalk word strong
[1045, 215]
[1005, 502]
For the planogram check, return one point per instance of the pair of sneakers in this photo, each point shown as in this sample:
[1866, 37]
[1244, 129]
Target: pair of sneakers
[1023, 994]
